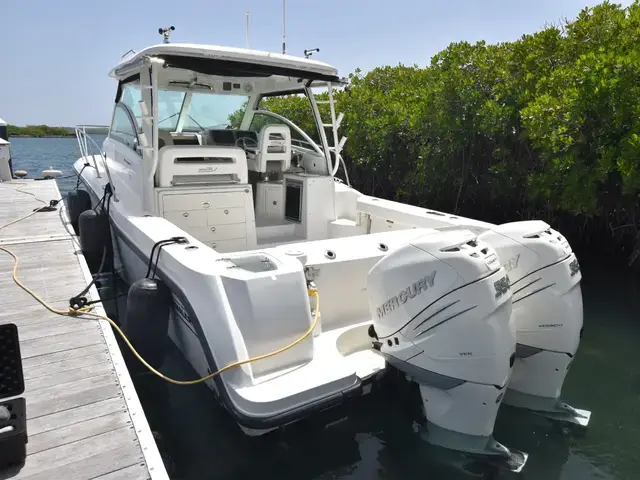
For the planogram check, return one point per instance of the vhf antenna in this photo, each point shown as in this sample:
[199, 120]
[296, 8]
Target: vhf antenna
[308, 53]
[284, 31]
[166, 33]
[246, 30]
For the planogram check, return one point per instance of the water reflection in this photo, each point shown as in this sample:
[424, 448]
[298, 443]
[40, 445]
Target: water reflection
[381, 437]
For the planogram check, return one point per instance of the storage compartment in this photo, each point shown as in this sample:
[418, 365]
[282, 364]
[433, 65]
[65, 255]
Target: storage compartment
[219, 232]
[274, 202]
[13, 430]
[195, 201]
[11, 379]
[254, 263]
[221, 218]
[187, 218]
[13, 434]
[270, 203]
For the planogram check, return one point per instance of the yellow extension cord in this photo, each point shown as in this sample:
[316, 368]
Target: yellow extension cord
[85, 312]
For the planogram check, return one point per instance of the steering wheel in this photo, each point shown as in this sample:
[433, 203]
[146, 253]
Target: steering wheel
[247, 142]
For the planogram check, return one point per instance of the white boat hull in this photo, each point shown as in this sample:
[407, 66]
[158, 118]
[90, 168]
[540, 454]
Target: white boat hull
[348, 345]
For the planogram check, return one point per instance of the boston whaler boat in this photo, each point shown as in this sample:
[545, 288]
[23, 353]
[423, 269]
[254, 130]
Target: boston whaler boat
[236, 211]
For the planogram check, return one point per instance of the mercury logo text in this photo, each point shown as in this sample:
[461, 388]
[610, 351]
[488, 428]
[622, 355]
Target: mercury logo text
[411, 291]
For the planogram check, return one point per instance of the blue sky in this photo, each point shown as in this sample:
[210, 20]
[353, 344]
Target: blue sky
[55, 56]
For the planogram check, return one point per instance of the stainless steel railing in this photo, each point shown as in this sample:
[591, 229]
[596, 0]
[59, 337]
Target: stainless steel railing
[89, 150]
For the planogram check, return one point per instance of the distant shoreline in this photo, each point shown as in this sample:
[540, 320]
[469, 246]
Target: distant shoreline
[41, 136]
[46, 131]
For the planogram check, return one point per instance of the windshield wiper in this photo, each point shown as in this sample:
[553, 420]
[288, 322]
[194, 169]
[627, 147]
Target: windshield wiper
[169, 117]
[178, 113]
[194, 121]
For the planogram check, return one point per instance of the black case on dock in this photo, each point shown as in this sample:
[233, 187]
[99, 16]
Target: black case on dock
[13, 444]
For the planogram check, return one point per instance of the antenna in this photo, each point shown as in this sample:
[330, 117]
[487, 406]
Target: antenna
[284, 43]
[246, 31]
[166, 33]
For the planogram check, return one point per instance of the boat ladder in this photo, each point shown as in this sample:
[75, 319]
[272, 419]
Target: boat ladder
[334, 125]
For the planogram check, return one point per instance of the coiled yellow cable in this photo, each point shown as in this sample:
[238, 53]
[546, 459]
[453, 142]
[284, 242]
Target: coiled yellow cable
[85, 312]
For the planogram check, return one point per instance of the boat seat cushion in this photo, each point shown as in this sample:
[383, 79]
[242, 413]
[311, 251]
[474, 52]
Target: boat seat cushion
[200, 165]
[274, 150]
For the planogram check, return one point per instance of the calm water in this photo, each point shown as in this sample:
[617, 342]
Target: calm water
[379, 437]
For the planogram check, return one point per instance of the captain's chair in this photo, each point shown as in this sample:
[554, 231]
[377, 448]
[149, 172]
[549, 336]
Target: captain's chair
[274, 150]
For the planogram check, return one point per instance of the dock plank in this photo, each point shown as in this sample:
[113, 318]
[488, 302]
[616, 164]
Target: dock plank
[99, 388]
[15, 204]
[75, 432]
[80, 423]
[76, 362]
[67, 377]
[94, 466]
[134, 472]
[63, 356]
[60, 343]
[64, 418]
[50, 460]
[57, 326]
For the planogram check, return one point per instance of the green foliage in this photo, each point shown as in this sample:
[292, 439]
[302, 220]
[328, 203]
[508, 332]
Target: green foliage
[295, 108]
[547, 126]
[39, 131]
[235, 118]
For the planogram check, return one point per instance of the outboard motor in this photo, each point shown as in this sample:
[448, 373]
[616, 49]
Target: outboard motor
[547, 308]
[442, 314]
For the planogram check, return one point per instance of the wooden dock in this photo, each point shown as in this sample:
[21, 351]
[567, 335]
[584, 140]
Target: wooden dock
[84, 419]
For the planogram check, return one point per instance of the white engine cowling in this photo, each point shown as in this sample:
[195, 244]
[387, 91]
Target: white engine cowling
[442, 314]
[547, 307]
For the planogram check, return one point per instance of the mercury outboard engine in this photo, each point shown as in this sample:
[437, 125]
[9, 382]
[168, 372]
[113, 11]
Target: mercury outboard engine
[547, 308]
[442, 314]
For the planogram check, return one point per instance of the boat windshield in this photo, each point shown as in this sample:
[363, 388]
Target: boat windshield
[203, 111]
